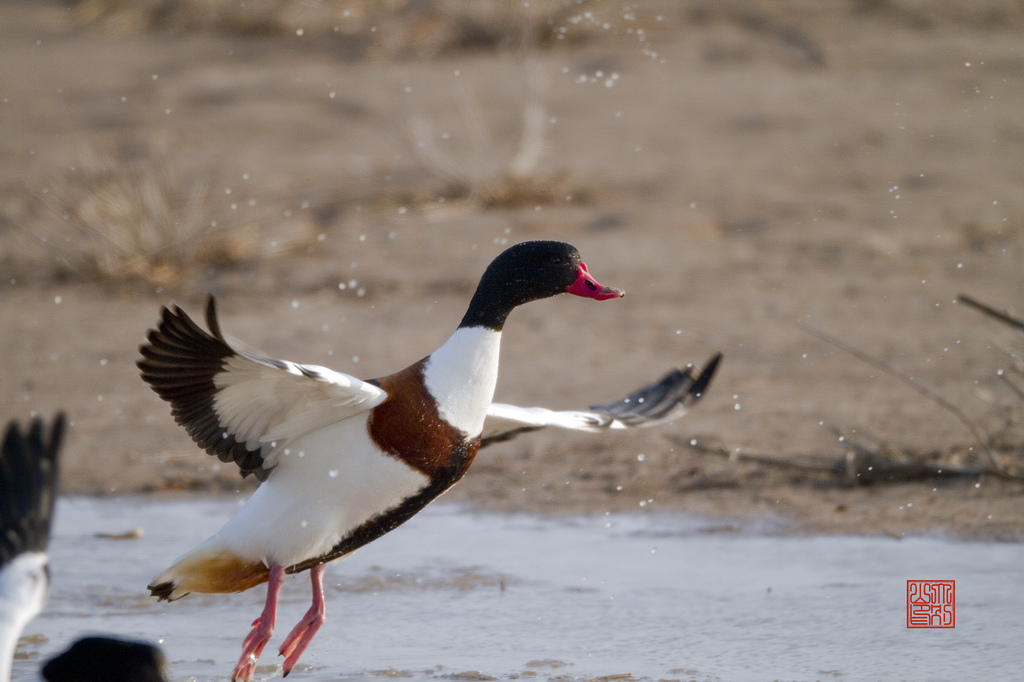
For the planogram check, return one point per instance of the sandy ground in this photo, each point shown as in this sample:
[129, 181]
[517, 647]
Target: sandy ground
[737, 171]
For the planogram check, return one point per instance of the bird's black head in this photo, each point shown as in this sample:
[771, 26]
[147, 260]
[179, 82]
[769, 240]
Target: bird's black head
[527, 272]
[105, 659]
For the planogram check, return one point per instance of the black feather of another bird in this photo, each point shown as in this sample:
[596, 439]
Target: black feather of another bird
[104, 659]
[28, 486]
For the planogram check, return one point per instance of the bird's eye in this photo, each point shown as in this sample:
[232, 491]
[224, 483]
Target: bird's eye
[557, 260]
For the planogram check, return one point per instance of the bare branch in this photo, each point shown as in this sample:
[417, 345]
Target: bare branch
[916, 385]
[991, 312]
[859, 465]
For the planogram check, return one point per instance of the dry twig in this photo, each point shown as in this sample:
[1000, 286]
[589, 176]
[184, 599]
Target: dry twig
[916, 385]
[861, 464]
[991, 312]
[865, 462]
[1015, 377]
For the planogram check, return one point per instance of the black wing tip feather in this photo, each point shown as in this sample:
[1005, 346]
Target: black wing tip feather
[703, 380]
[179, 362]
[211, 319]
[664, 399]
[29, 468]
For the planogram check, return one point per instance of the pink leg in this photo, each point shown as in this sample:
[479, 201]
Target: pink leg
[302, 634]
[262, 629]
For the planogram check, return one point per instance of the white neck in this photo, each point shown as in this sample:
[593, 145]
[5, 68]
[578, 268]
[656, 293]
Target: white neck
[461, 376]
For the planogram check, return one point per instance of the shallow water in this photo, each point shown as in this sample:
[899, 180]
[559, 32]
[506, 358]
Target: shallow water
[454, 592]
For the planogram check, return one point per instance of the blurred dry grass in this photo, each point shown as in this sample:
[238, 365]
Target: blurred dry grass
[392, 28]
[111, 219]
[491, 172]
[141, 220]
[427, 28]
[114, 219]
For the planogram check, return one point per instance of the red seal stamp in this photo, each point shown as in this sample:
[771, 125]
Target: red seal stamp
[931, 603]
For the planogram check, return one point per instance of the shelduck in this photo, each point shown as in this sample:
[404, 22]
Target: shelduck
[28, 489]
[342, 461]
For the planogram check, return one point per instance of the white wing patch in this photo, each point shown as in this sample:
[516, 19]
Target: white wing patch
[264, 402]
[657, 403]
[504, 421]
[236, 404]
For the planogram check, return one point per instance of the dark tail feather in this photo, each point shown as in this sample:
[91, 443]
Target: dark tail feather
[161, 591]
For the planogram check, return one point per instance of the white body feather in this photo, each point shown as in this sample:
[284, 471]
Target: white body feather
[325, 486]
[263, 404]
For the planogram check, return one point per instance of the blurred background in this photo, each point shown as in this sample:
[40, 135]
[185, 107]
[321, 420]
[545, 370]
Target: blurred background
[340, 172]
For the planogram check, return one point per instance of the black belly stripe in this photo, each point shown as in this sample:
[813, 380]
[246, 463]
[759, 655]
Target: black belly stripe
[384, 523]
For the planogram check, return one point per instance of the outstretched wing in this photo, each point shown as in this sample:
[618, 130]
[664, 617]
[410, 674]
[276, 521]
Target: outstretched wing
[239, 406]
[28, 487]
[657, 403]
